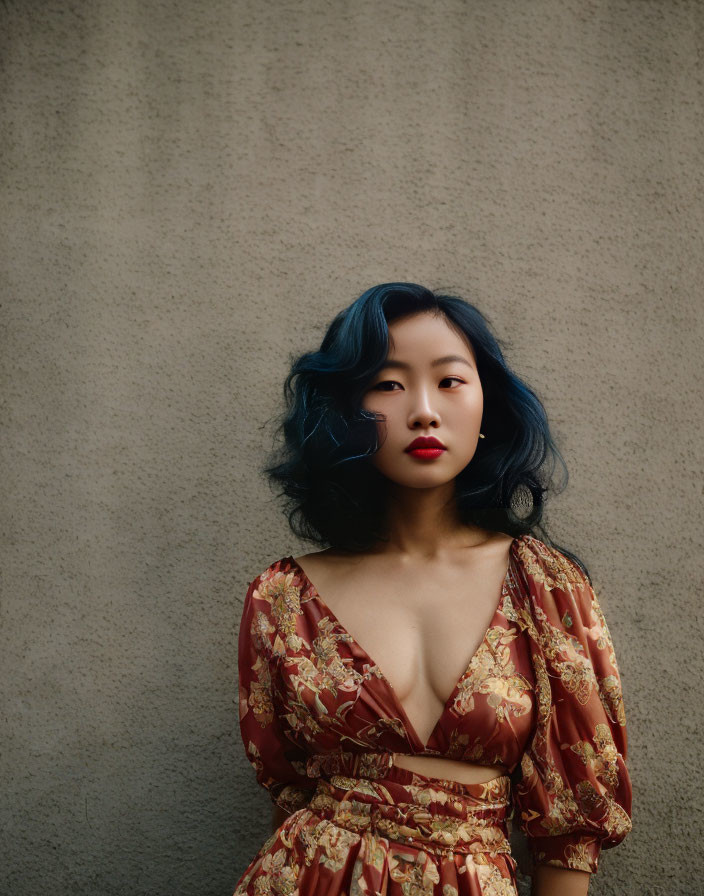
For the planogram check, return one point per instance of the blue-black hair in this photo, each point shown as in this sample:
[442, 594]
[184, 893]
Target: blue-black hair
[335, 497]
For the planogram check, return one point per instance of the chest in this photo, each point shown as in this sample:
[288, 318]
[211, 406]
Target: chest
[420, 626]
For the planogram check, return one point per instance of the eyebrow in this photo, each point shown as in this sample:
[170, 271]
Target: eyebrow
[446, 359]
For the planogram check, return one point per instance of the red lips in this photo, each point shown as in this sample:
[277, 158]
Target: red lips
[424, 442]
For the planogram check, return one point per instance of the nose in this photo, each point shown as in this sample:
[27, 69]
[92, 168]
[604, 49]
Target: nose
[422, 413]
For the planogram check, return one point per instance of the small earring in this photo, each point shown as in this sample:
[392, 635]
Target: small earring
[481, 435]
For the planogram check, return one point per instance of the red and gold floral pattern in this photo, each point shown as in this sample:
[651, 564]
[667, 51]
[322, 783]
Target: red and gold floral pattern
[541, 696]
[374, 828]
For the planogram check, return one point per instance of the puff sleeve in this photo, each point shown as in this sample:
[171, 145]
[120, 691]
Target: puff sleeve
[574, 795]
[278, 762]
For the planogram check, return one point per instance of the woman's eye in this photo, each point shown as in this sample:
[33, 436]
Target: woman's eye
[388, 385]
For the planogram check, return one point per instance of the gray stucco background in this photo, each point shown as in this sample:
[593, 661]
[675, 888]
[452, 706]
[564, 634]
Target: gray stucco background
[190, 192]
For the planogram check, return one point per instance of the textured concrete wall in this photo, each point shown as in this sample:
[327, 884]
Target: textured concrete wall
[190, 191]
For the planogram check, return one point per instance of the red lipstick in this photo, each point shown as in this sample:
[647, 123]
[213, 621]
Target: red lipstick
[425, 447]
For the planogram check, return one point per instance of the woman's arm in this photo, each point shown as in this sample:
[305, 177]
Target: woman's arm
[573, 797]
[279, 762]
[551, 881]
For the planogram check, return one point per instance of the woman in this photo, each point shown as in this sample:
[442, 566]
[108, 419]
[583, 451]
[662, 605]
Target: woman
[438, 672]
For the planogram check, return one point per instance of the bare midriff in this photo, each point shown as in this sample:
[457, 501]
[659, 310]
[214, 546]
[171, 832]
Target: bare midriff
[449, 769]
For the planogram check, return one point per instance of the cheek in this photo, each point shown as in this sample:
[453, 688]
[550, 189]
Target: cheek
[473, 408]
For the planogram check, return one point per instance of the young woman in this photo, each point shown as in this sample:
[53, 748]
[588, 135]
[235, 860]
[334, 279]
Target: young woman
[438, 672]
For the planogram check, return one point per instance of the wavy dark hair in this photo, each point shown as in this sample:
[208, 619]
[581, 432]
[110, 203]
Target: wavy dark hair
[335, 497]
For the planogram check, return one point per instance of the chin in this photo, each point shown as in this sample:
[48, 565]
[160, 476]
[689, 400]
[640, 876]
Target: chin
[421, 480]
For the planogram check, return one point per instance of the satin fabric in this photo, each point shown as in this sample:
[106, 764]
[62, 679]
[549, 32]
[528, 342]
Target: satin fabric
[541, 696]
[373, 828]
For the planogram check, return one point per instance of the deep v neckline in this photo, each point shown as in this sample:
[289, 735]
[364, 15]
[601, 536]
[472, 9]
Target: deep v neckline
[415, 742]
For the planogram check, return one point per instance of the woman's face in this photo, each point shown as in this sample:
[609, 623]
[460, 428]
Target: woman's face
[429, 386]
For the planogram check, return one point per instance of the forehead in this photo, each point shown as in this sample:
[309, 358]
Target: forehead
[429, 334]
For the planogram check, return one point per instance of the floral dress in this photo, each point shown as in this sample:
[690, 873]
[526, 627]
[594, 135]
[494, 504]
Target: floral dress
[321, 724]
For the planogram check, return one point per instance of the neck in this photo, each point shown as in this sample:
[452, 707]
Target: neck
[424, 523]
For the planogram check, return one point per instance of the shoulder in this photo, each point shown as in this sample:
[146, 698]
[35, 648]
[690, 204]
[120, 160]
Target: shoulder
[554, 592]
[318, 564]
[548, 567]
[280, 579]
[271, 605]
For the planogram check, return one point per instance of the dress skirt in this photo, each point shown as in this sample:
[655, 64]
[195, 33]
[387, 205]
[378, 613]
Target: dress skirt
[373, 828]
